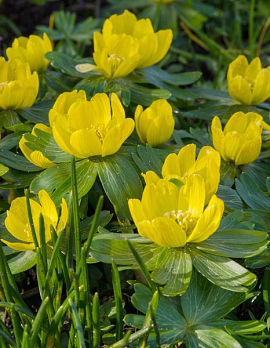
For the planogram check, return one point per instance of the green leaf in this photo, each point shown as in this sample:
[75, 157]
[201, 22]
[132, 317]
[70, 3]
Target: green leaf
[108, 246]
[45, 143]
[121, 181]
[205, 302]
[258, 172]
[66, 64]
[16, 179]
[180, 79]
[13, 122]
[246, 327]
[13, 160]
[202, 136]
[228, 172]
[230, 197]
[209, 337]
[58, 179]
[3, 170]
[93, 84]
[190, 15]
[10, 140]
[207, 111]
[57, 81]
[173, 268]
[171, 324]
[235, 243]
[38, 113]
[213, 94]
[147, 158]
[221, 271]
[22, 262]
[251, 193]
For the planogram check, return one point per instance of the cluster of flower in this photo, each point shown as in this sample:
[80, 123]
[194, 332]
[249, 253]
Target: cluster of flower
[183, 202]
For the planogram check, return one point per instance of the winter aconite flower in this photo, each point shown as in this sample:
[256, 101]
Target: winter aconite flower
[155, 124]
[18, 225]
[34, 156]
[240, 141]
[184, 164]
[31, 50]
[89, 128]
[248, 84]
[127, 43]
[171, 217]
[18, 87]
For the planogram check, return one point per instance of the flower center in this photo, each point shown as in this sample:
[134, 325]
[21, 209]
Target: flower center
[184, 220]
[115, 61]
[100, 131]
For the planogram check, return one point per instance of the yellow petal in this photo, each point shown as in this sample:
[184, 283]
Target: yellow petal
[164, 38]
[186, 159]
[136, 210]
[192, 196]
[39, 160]
[261, 90]
[151, 177]
[163, 231]
[249, 151]
[172, 166]
[123, 23]
[64, 216]
[209, 222]
[118, 112]
[116, 136]
[218, 136]
[160, 130]
[85, 143]
[253, 70]
[19, 246]
[160, 200]
[237, 68]
[240, 90]
[48, 207]
[62, 138]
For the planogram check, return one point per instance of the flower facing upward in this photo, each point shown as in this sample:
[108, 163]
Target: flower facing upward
[155, 124]
[125, 44]
[31, 50]
[36, 157]
[18, 87]
[171, 217]
[89, 128]
[240, 141]
[248, 84]
[184, 164]
[18, 225]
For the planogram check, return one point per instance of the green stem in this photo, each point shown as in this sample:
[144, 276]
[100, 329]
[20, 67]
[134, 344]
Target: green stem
[76, 215]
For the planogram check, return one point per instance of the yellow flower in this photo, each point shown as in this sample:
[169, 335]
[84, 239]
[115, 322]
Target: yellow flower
[155, 124]
[171, 217]
[248, 84]
[125, 44]
[184, 164]
[17, 222]
[36, 157]
[18, 87]
[89, 128]
[240, 141]
[31, 50]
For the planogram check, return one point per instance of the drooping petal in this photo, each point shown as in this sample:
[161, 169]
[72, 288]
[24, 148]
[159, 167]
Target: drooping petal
[19, 246]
